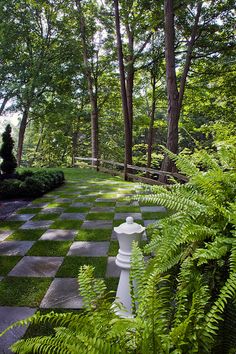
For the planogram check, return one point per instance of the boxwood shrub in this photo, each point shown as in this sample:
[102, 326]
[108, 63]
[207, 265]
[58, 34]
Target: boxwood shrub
[30, 184]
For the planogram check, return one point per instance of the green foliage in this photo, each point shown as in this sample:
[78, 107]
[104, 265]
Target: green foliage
[8, 164]
[182, 297]
[31, 184]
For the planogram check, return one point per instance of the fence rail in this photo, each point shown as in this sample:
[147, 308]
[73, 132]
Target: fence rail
[117, 168]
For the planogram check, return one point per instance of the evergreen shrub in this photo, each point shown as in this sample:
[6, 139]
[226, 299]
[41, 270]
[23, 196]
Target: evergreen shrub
[30, 184]
[8, 164]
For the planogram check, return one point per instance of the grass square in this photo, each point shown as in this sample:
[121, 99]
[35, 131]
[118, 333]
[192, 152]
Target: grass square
[154, 216]
[49, 248]
[50, 216]
[7, 263]
[76, 210]
[67, 224]
[29, 210]
[41, 200]
[10, 225]
[71, 266]
[113, 248]
[26, 235]
[58, 205]
[19, 291]
[93, 235]
[112, 285]
[100, 216]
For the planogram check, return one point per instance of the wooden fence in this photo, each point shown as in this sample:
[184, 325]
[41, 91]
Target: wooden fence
[142, 174]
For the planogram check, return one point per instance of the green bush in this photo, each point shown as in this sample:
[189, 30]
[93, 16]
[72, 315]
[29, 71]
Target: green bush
[31, 184]
[8, 164]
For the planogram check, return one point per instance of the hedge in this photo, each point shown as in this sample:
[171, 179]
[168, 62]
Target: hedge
[30, 184]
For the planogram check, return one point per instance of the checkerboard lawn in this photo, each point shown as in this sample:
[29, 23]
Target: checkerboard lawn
[43, 245]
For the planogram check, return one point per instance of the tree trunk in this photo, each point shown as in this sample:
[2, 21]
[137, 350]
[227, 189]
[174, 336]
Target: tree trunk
[91, 88]
[21, 135]
[175, 98]
[74, 147]
[173, 112]
[127, 126]
[152, 117]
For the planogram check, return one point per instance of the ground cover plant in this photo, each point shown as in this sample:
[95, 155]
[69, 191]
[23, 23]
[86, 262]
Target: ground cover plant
[185, 294]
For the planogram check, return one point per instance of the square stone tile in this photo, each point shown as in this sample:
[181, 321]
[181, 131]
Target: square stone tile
[63, 200]
[5, 234]
[92, 249]
[81, 204]
[38, 205]
[97, 224]
[8, 316]
[52, 210]
[1, 278]
[153, 209]
[113, 271]
[102, 200]
[98, 209]
[20, 217]
[123, 216]
[72, 216]
[125, 203]
[148, 222]
[42, 224]
[36, 267]
[63, 293]
[15, 248]
[58, 235]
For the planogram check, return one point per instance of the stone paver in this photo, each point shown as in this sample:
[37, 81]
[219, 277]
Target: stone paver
[98, 209]
[92, 249]
[113, 271]
[81, 204]
[63, 293]
[149, 222]
[72, 216]
[153, 209]
[20, 217]
[5, 234]
[8, 316]
[97, 224]
[42, 224]
[52, 210]
[15, 248]
[33, 266]
[58, 235]
[123, 216]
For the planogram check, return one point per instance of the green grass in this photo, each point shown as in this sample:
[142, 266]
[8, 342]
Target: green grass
[29, 210]
[112, 284]
[85, 200]
[7, 263]
[71, 266]
[100, 216]
[77, 210]
[154, 216]
[66, 224]
[19, 291]
[56, 205]
[26, 235]
[93, 235]
[10, 225]
[51, 216]
[113, 248]
[50, 248]
[127, 209]
[41, 200]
